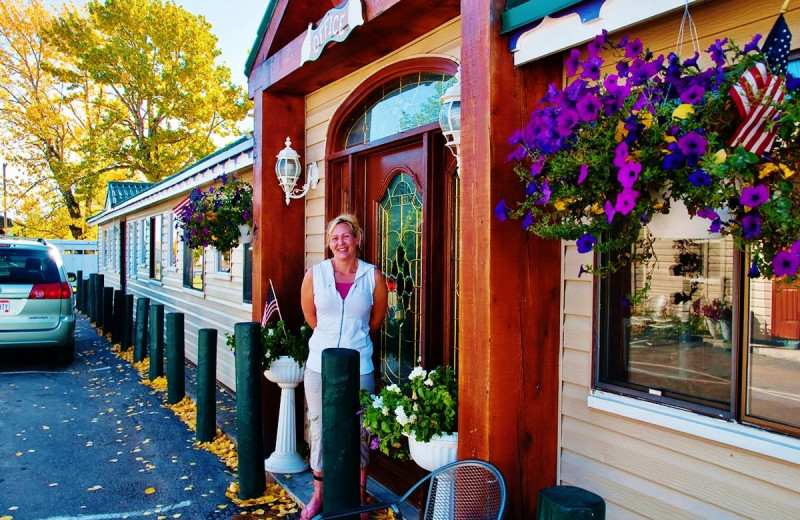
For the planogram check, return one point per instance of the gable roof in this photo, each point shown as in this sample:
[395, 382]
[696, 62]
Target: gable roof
[120, 191]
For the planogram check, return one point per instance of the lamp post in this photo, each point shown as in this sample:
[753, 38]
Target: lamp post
[5, 204]
[450, 118]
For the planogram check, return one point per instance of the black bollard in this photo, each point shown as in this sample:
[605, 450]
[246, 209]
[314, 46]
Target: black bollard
[90, 297]
[140, 343]
[206, 384]
[108, 309]
[156, 352]
[252, 482]
[127, 323]
[340, 428]
[118, 316]
[99, 280]
[78, 278]
[176, 352]
[81, 296]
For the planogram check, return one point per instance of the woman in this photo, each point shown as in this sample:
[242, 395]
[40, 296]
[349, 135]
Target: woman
[344, 301]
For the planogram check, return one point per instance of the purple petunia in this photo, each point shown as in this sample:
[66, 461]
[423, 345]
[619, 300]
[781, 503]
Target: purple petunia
[693, 94]
[751, 226]
[629, 173]
[375, 443]
[610, 211]
[626, 200]
[708, 213]
[528, 220]
[796, 247]
[692, 62]
[717, 51]
[673, 161]
[530, 189]
[519, 153]
[546, 192]
[501, 211]
[585, 243]
[699, 177]
[693, 146]
[622, 68]
[596, 45]
[621, 154]
[633, 48]
[566, 122]
[588, 107]
[572, 62]
[592, 68]
[753, 272]
[715, 226]
[583, 173]
[754, 196]
[785, 263]
[536, 166]
[753, 45]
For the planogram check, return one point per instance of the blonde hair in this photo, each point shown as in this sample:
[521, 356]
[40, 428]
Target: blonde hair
[350, 220]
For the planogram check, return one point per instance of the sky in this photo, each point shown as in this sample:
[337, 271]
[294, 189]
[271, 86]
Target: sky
[233, 22]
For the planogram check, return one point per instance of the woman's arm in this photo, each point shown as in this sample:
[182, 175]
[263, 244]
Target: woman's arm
[307, 300]
[379, 302]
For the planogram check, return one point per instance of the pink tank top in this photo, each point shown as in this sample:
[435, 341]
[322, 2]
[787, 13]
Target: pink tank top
[343, 288]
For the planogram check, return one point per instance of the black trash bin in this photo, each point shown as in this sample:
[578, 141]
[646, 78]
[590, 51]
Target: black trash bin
[569, 503]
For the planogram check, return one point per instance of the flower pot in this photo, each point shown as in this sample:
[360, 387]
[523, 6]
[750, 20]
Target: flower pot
[725, 330]
[432, 455]
[713, 327]
[287, 373]
[245, 236]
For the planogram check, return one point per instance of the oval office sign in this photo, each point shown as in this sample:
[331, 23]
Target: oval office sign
[335, 26]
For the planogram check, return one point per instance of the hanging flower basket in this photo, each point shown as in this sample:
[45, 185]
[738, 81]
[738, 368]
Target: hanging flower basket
[603, 157]
[213, 217]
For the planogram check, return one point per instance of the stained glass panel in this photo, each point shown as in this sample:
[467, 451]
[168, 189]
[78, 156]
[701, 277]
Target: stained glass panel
[400, 258]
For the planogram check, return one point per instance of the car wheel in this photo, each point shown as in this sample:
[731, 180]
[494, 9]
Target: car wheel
[66, 355]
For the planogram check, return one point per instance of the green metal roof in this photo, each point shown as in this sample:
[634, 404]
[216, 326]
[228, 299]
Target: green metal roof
[262, 31]
[120, 191]
[519, 13]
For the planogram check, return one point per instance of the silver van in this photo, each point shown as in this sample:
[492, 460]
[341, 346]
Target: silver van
[37, 308]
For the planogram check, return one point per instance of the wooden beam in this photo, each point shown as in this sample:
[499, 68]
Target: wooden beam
[510, 280]
[388, 25]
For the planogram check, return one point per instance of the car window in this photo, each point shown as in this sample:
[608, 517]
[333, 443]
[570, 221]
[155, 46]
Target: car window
[21, 266]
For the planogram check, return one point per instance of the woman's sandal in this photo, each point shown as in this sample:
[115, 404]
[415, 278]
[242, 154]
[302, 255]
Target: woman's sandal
[313, 507]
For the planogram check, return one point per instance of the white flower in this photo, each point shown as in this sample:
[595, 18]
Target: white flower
[270, 332]
[377, 402]
[393, 388]
[386, 411]
[429, 382]
[267, 355]
[417, 372]
[402, 418]
[413, 419]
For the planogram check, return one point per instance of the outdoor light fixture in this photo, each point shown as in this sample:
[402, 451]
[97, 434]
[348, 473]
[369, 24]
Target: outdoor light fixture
[288, 171]
[450, 117]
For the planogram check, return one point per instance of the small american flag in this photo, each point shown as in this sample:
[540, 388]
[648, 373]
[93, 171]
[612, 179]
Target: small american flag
[758, 90]
[178, 210]
[270, 306]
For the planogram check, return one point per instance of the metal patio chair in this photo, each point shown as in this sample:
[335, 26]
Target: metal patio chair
[463, 490]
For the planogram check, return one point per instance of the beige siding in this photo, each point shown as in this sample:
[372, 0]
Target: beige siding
[219, 305]
[321, 105]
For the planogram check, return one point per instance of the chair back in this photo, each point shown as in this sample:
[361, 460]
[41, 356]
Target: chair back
[466, 490]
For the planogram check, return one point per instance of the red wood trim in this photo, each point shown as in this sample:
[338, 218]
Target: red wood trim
[510, 280]
[386, 142]
[272, 29]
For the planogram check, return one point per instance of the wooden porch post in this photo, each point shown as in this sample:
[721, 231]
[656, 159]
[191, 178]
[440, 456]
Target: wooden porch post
[279, 244]
[510, 289]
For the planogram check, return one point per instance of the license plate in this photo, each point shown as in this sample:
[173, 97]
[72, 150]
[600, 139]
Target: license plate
[5, 306]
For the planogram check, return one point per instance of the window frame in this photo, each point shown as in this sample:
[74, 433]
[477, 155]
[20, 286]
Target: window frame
[156, 238]
[189, 268]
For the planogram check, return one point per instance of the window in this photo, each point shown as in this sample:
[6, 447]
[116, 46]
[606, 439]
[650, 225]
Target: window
[174, 237]
[247, 274]
[133, 232]
[672, 330]
[193, 268]
[156, 236]
[224, 262]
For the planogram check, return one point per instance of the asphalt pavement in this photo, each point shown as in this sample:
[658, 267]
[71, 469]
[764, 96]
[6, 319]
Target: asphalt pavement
[90, 442]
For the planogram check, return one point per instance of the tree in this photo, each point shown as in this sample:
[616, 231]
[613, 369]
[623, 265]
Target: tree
[165, 101]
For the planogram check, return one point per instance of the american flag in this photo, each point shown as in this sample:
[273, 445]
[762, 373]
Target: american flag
[270, 306]
[178, 210]
[758, 90]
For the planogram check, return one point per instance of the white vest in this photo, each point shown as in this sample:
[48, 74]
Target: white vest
[342, 323]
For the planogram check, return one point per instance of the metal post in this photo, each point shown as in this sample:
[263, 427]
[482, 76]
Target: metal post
[78, 289]
[156, 325]
[206, 384]
[99, 281]
[5, 203]
[340, 428]
[176, 352]
[140, 344]
[118, 316]
[127, 323]
[252, 482]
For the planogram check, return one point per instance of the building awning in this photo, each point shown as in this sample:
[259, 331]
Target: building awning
[520, 13]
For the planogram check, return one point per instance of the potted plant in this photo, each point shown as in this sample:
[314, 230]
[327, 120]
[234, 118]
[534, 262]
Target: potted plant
[718, 318]
[605, 156]
[417, 418]
[221, 217]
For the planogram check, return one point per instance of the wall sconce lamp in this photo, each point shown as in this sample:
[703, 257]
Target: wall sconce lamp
[288, 170]
[450, 117]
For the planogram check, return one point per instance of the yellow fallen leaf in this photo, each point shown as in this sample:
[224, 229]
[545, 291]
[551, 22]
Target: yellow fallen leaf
[18, 454]
[149, 491]
[94, 488]
[45, 427]
[7, 517]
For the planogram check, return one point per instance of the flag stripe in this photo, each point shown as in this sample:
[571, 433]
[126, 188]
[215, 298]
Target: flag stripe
[270, 305]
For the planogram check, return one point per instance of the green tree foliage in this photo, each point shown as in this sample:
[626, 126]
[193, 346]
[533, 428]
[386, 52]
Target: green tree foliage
[165, 99]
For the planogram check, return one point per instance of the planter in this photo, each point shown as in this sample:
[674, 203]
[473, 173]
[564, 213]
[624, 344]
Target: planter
[713, 328]
[678, 224]
[287, 373]
[432, 455]
[725, 330]
[245, 236]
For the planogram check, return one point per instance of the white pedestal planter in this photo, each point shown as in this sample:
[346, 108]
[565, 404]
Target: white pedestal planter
[245, 236]
[287, 374]
[441, 450]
